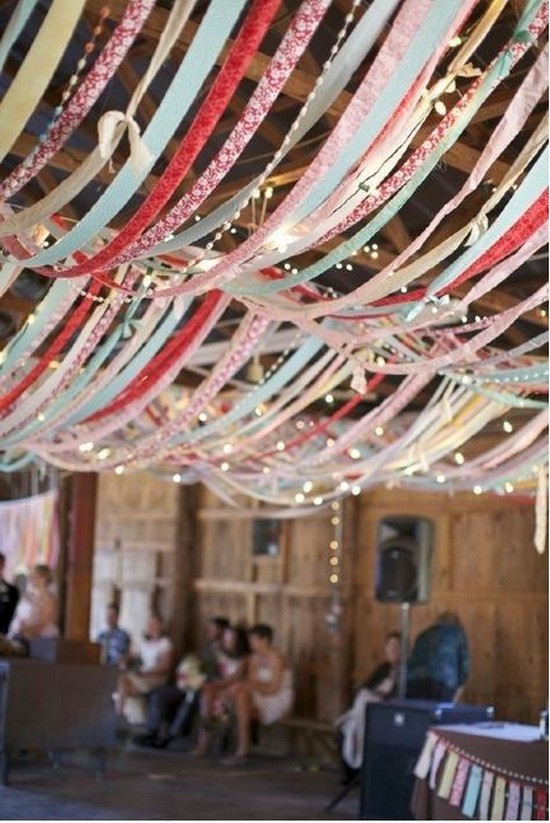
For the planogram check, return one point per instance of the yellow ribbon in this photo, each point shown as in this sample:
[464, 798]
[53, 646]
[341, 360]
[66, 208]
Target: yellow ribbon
[33, 77]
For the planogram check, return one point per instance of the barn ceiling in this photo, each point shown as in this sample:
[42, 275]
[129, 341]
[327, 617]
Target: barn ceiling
[291, 249]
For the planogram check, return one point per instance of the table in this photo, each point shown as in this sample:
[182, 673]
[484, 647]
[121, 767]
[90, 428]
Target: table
[484, 771]
[53, 706]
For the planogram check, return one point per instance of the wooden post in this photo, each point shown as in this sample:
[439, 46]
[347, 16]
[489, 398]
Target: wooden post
[80, 556]
[184, 571]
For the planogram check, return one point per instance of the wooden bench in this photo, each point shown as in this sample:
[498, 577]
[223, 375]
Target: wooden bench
[301, 737]
[52, 706]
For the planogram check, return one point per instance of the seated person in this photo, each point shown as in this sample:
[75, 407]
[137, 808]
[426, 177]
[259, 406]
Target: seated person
[439, 664]
[211, 652]
[115, 642]
[155, 656]
[267, 693]
[37, 610]
[215, 702]
[170, 707]
[380, 685]
[9, 595]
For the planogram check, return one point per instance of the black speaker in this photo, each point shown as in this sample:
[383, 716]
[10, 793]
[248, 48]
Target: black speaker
[405, 546]
[395, 731]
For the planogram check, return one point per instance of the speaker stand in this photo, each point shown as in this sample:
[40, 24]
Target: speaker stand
[405, 627]
[352, 783]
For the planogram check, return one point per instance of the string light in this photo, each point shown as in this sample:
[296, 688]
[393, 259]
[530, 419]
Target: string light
[86, 447]
[335, 544]
[507, 426]
[176, 478]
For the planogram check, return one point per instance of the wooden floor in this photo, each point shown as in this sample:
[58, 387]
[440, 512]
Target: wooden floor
[143, 784]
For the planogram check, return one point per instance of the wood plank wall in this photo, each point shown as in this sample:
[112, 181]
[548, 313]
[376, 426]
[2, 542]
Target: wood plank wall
[485, 568]
[135, 546]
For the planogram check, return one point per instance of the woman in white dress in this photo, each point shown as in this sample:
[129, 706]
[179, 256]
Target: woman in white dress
[37, 610]
[266, 695]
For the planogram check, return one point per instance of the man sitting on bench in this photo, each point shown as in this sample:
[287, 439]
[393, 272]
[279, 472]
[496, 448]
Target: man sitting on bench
[170, 708]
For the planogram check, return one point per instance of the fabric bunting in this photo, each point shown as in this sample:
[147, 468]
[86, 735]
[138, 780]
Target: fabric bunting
[481, 790]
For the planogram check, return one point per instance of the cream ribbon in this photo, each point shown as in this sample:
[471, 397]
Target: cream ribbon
[476, 36]
[33, 77]
[541, 511]
[109, 136]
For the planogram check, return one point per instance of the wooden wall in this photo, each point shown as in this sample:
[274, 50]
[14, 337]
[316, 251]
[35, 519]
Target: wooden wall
[135, 540]
[181, 549]
[485, 568]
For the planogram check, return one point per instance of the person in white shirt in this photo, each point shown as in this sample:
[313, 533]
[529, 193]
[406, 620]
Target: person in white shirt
[156, 658]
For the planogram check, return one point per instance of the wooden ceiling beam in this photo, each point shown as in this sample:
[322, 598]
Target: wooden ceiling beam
[396, 232]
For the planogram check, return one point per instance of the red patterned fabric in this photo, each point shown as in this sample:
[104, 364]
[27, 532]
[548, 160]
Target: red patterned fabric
[541, 804]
